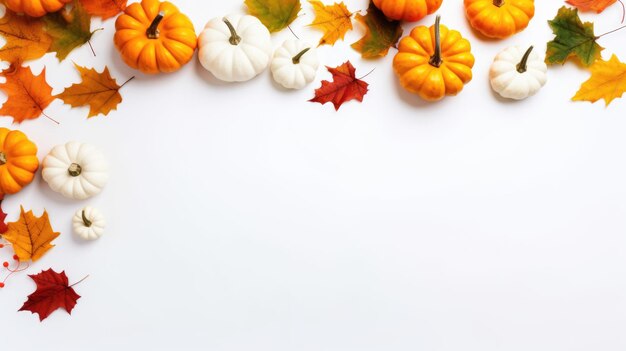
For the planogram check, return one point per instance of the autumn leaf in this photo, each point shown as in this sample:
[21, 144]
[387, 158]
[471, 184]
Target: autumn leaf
[104, 8]
[334, 20]
[573, 38]
[97, 90]
[53, 292]
[28, 95]
[381, 34]
[3, 217]
[30, 235]
[344, 87]
[276, 15]
[68, 29]
[607, 81]
[25, 38]
[592, 5]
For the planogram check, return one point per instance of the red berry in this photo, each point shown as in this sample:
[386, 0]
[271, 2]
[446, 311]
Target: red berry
[15, 257]
[1, 285]
[5, 264]
[1, 246]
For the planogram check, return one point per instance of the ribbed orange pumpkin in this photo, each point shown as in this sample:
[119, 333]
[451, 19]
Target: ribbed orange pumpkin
[407, 10]
[35, 8]
[154, 37]
[18, 161]
[499, 18]
[434, 62]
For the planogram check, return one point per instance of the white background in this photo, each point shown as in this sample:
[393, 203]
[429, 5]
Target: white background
[242, 217]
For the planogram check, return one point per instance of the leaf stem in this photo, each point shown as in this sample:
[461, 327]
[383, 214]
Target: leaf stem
[370, 72]
[128, 80]
[50, 118]
[610, 32]
[80, 281]
[292, 32]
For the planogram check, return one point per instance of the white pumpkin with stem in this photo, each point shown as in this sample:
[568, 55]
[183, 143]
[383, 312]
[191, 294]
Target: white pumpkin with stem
[517, 73]
[88, 223]
[295, 64]
[76, 170]
[235, 48]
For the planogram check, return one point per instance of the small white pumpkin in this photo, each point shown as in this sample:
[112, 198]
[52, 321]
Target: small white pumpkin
[88, 223]
[76, 170]
[295, 64]
[517, 73]
[235, 48]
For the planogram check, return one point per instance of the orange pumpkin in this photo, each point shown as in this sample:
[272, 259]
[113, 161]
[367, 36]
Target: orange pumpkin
[35, 8]
[499, 18]
[18, 161]
[407, 10]
[434, 62]
[154, 36]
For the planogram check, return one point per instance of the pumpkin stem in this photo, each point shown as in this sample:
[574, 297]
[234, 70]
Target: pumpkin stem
[153, 31]
[234, 39]
[296, 59]
[522, 66]
[498, 3]
[75, 170]
[436, 60]
[85, 220]
[3, 158]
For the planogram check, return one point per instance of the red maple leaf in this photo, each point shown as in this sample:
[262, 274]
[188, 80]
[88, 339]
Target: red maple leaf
[53, 292]
[344, 87]
[3, 216]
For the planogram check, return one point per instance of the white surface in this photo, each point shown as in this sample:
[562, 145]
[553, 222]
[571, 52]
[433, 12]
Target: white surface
[241, 217]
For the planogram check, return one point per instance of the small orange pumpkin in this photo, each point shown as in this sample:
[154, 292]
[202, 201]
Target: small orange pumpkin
[434, 62]
[35, 8]
[407, 10]
[154, 36]
[499, 18]
[18, 161]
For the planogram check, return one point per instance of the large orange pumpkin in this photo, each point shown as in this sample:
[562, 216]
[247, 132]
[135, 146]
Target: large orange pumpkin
[18, 161]
[407, 10]
[154, 36]
[499, 18]
[35, 8]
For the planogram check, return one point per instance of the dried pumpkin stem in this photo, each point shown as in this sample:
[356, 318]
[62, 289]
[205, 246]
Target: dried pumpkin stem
[75, 170]
[234, 39]
[436, 60]
[498, 3]
[85, 220]
[522, 66]
[3, 158]
[153, 31]
[296, 59]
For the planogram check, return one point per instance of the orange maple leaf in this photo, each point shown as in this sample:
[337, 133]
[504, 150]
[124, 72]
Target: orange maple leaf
[28, 95]
[104, 8]
[334, 20]
[30, 235]
[25, 38]
[607, 81]
[591, 5]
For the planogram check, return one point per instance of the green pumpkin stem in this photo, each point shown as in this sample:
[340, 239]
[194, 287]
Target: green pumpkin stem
[75, 170]
[522, 66]
[153, 31]
[234, 39]
[85, 220]
[436, 59]
[498, 3]
[296, 59]
[3, 158]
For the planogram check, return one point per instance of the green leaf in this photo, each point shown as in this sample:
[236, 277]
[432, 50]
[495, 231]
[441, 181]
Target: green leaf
[573, 39]
[381, 34]
[276, 15]
[68, 29]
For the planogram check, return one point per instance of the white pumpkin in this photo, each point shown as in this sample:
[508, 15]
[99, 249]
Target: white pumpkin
[88, 223]
[235, 48]
[295, 64]
[76, 170]
[517, 73]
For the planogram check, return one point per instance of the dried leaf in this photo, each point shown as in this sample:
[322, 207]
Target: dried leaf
[344, 87]
[573, 38]
[30, 236]
[334, 20]
[68, 29]
[104, 8]
[25, 38]
[607, 81]
[97, 90]
[53, 292]
[591, 5]
[276, 15]
[28, 95]
[381, 33]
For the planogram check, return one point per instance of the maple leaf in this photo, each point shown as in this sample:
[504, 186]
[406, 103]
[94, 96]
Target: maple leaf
[25, 38]
[276, 15]
[334, 20]
[344, 87]
[53, 292]
[30, 235]
[592, 5]
[607, 81]
[381, 33]
[98, 90]
[573, 38]
[104, 8]
[3, 217]
[68, 29]
[28, 95]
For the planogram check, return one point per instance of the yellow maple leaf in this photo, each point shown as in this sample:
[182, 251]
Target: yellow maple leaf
[30, 235]
[25, 38]
[334, 20]
[607, 81]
